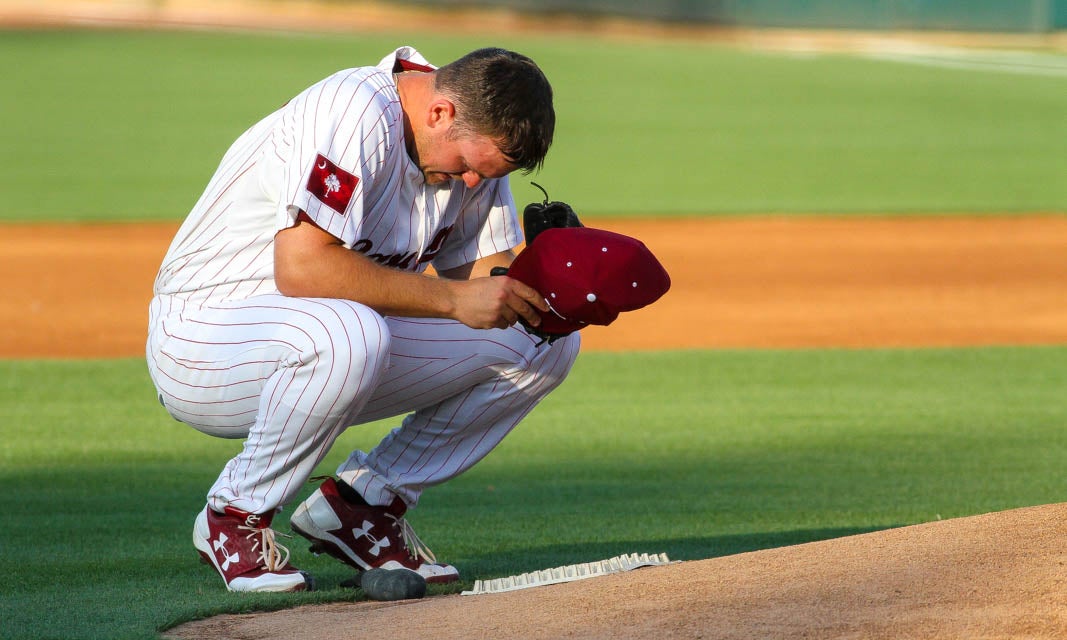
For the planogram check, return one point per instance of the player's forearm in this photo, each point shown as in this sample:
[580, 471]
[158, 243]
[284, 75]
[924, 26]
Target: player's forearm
[309, 265]
[388, 291]
[480, 268]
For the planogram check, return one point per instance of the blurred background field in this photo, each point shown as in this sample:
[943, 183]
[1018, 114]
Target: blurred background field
[129, 124]
[119, 111]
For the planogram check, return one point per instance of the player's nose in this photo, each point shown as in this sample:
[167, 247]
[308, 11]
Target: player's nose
[471, 179]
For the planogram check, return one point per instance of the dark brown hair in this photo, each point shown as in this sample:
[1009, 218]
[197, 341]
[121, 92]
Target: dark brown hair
[505, 96]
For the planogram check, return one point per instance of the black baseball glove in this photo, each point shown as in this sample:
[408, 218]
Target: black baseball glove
[538, 216]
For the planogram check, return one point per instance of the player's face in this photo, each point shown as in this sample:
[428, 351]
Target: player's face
[470, 158]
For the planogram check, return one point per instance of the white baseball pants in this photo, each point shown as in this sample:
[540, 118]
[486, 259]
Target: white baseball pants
[290, 374]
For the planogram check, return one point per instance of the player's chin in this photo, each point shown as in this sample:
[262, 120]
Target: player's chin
[434, 178]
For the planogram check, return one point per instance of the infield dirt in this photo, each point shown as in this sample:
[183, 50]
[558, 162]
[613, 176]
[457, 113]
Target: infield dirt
[790, 282]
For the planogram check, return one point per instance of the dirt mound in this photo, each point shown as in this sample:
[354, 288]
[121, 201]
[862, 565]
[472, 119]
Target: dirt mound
[999, 575]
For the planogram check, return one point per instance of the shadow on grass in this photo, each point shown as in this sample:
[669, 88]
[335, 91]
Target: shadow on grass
[131, 570]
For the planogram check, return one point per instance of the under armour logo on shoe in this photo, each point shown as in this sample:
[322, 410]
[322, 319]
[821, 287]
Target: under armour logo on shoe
[220, 545]
[377, 544]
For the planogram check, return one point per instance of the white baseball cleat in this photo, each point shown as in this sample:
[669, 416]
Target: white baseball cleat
[242, 548]
[364, 536]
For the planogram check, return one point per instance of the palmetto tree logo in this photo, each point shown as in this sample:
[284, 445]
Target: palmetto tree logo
[332, 183]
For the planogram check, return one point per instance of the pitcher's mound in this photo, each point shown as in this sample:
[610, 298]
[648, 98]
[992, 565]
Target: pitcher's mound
[999, 575]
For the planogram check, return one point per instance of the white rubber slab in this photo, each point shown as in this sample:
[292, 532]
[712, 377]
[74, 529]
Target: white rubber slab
[568, 573]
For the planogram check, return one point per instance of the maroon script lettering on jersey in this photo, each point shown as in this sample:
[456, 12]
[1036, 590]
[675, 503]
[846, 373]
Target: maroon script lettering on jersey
[332, 185]
[436, 243]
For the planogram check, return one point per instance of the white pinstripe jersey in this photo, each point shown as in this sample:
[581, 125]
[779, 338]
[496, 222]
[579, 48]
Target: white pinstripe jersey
[336, 151]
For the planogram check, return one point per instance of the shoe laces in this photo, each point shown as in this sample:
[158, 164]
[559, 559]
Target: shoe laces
[417, 549]
[272, 554]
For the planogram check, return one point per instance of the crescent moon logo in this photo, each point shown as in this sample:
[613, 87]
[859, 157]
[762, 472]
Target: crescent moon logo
[323, 165]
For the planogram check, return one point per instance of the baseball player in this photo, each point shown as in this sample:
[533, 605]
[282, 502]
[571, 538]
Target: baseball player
[293, 303]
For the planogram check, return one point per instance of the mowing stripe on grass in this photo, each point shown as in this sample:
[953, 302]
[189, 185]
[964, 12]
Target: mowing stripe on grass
[1019, 62]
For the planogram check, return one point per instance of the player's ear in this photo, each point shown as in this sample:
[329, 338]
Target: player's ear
[441, 113]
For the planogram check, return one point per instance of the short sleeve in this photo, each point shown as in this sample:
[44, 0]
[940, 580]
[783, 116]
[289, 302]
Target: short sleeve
[346, 128]
[487, 225]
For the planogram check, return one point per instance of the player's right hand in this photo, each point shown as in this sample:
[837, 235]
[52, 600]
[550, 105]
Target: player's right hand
[497, 303]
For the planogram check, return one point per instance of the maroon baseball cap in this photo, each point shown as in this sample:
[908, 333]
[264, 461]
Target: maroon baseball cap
[589, 276]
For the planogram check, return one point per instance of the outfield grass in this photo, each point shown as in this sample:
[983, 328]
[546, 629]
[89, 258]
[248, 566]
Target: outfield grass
[696, 454]
[130, 125]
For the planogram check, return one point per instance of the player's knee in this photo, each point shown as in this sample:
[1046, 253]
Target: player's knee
[351, 340]
[556, 362]
[545, 368]
[550, 362]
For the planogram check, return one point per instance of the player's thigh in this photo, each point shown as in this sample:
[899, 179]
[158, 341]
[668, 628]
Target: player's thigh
[211, 366]
[434, 359]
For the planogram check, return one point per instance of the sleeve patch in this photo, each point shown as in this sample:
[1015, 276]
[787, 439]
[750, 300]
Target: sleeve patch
[332, 185]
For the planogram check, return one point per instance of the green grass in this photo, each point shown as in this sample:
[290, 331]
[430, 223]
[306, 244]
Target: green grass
[130, 125]
[696, 454]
